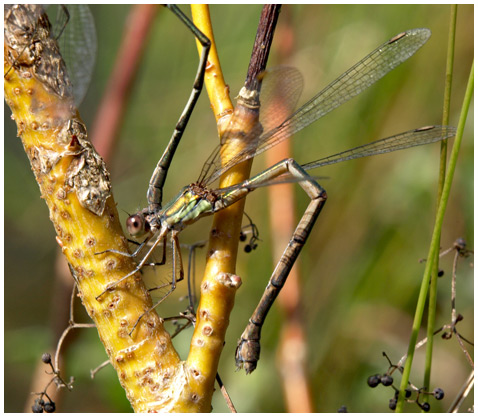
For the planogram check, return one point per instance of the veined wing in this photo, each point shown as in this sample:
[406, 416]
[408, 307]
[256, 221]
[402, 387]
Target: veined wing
[73, 28]
[280, 91]
[75, 31]
[358, 78]
[416, 137]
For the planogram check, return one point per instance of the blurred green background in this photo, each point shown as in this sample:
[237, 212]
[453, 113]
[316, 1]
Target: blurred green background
[360, 273]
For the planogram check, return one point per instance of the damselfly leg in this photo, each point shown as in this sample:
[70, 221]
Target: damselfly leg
[177, 263]
[136, 224]
[156, 183]
[189, 314]
[248, 348]
[192, 274]
[177, 276]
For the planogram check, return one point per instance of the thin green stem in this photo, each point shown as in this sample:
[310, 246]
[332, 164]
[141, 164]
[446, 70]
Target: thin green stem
[441, 179]
[435, 241]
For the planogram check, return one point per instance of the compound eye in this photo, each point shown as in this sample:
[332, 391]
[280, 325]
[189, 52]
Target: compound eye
[135, 225]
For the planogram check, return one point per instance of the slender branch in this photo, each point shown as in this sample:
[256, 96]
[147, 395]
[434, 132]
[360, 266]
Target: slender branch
[217, 89]
[434, 245]
[432, 299]
[215, 306]
[262, 45]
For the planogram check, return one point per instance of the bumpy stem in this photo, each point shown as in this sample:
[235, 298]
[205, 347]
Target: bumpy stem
[75, 185]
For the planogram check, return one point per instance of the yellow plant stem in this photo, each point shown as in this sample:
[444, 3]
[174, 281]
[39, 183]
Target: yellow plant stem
[218, 90]
[224, 237]
[148, 356]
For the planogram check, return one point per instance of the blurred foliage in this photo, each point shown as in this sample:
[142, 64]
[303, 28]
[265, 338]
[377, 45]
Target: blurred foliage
[360, 270]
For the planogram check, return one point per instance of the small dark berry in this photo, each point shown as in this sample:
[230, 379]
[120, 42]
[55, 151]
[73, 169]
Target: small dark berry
[41, 402]
[342, 409]
[438, 393]
[46, 358]
[387, 380]
[392, 404]
[459, 318]
[425, 407]
[254, 246]
[242, 237]
[247, 248]
[460, 243]
[50, 407]
[373, 381]
[408, 393]
[441, 272]
[37, 408]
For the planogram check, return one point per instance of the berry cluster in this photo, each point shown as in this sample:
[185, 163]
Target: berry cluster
[254, 231]
[248, 247]
[40, 405]
[387, 380]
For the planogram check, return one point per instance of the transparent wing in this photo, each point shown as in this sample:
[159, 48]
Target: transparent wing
[416, 137]
[27, 29]
[280, 92]
[281, 89]
[405, 140]
[361, 76]
[74, 28]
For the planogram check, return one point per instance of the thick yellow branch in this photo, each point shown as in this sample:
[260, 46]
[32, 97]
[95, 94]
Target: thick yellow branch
[75, 185]
[57, 150]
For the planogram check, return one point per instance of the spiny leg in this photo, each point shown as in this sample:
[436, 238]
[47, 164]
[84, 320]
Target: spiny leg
[161, 237]
[155, 189]
[192, 275]
[190, 313]
[161, 262]
[136, 252]
[127, 254]
[167, 284]
[66, 13]
[177, 260]
[248, 348]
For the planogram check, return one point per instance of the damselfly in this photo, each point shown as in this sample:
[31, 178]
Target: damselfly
[198, 200]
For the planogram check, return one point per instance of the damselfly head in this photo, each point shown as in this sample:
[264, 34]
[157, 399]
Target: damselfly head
[137, 225]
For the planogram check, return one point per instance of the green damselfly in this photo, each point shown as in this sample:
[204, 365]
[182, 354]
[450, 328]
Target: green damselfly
[198, 199]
